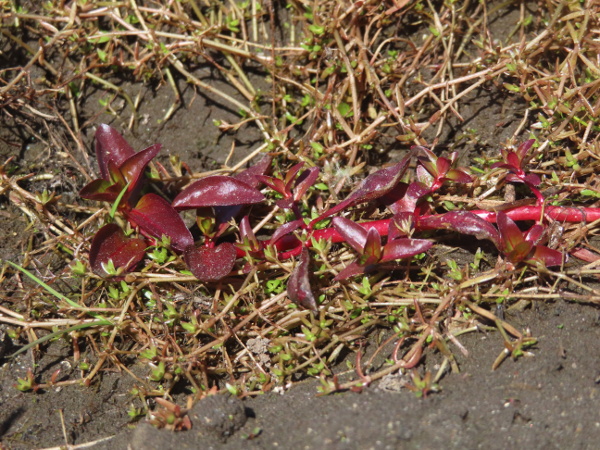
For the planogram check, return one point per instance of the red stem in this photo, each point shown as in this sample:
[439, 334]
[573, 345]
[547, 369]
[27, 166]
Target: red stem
[290, 247]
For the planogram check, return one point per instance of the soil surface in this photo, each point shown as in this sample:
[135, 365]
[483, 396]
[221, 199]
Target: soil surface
[548, 400]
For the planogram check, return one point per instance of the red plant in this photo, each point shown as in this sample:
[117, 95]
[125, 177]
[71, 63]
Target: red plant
[219, 200]
[514, 162]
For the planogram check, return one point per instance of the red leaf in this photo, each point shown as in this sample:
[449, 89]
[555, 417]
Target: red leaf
[349, 271]
[353, 233]
[423, 176]
[298, 285]
[547, 256]
[534, 234]
[285, 229]
[100, 190]
[464, 222]
[211, 264]
[154, 215]
[442, 165]
[110, 243]
[524, 148]
[217, 190]
[248, 176]
[405, 248]
[519, 252]
[409, 202]
[111, 146]
[290, 175]
[510, 234]
[532, 179]
[304, 181]
[372, 251]
[458, 176]
[133, 168]
[513, 160]
[247, 236]
[374, 186]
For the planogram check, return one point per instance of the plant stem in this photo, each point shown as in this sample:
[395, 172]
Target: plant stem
[289, 246]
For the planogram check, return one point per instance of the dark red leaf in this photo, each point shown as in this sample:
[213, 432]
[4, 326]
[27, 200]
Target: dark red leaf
[353, 233]
[298, 285]
[423, 176]
[247, 236]
[442, 165]
[291, 174]
[374, 186]
[464, 222]
[372, 251]
[405, 248]
[277, 184]
[415, 192]
[458, 176]
[400, 224]
[211, 264]
[154, 215]
[532, 179]
[519, 252]
[110, 243]
[133, 168]
[248, 176]
[524, 148]
[510, 234]
[547, 256]
[513, 160]
[534, 234]
[111, 146]
[305, 181]
[101, 190]
[350, 270]
[217, 190]
[286, 229]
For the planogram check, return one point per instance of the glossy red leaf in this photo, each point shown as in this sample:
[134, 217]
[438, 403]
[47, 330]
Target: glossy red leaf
[155, 216]
[524, 148]
[277, 184]
[285, 229]
[350, 270]
[415, 192]
[217, 190]
[534, 234]
[247, 236]
[211, 264]
[424, 176]
[513, 160]
[298, 285]
[464, 222]
[547, 256]
[404, 248]
[249, 176]
[442, 165]
[458, 176]
[374, 186]
[110, 146]
[353, 233]
[133, 168]
[532, 179]
[400, 224]
[305, 181]
[519, 252]
[100, 190]
[111, 244]
[372, 251]
[510, 234]
[291, 174]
